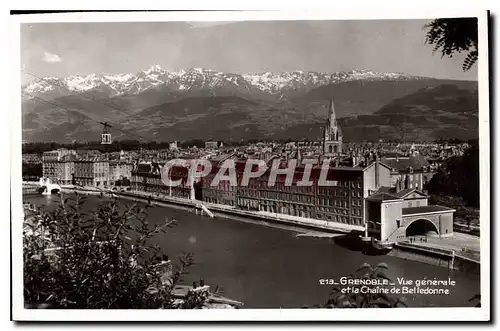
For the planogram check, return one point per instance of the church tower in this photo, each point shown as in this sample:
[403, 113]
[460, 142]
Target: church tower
[332, 140]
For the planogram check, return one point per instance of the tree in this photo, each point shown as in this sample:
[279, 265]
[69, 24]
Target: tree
[370, 297]
[459, 176]
[455, 35]
[100, 260]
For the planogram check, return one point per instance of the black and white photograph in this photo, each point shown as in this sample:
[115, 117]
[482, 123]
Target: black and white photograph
[250, 166]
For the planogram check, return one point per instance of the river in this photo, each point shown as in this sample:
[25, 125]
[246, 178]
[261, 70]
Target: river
[267, 267]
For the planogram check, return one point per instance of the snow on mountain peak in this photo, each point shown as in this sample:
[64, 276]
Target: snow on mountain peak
[187, 79]
[82, 83]
[154, 68]
[119, 77]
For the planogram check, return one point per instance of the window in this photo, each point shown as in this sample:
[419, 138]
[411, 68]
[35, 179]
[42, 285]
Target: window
[409, 204]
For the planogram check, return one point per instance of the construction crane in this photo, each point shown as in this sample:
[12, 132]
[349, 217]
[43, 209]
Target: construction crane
[105, 136]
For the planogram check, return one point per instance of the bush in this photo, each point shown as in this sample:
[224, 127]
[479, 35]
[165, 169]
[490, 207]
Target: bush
[100, 260]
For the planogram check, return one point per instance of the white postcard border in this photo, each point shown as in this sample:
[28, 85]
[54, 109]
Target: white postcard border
[428, 314]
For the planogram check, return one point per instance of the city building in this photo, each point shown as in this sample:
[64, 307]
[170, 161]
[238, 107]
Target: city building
[146, 177]
[50, 163]
[119, 170]
[173, 146]
[87, 152]
[66, 169]
[407, 172]
[341, 202]
[393, 215]
[101, 171]
[221, 192]
[210, 144]
[84, 172]
[92, 171]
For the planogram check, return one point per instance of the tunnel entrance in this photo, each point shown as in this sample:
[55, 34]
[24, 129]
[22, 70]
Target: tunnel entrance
[421, 227]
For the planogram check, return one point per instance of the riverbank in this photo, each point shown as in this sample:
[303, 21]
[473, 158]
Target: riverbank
[229, 211]
[435, 256]
[443, 257]
[304, 224]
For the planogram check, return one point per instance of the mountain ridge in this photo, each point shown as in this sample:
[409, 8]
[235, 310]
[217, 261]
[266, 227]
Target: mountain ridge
[199, 78]
[237, 110]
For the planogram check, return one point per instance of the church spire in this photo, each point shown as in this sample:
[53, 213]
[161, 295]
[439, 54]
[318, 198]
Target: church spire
[331, 114]
[332, 134]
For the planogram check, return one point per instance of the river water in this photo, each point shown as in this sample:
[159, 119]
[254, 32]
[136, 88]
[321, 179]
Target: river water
[267, 267]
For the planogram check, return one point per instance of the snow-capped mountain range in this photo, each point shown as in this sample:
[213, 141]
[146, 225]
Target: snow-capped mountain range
[156, 77]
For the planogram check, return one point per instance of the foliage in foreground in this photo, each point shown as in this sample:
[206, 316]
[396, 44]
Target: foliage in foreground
[455, 35]
[100, 260]
[362, 299]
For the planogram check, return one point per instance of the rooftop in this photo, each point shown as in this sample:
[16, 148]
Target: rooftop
[425, 209]
[403, 163]
[399, 194]
[382, 197]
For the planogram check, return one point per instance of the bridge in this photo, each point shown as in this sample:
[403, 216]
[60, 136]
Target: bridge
[46, 187]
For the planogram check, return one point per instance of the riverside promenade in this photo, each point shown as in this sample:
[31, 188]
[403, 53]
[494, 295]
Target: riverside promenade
[306, 223]
[462, 245]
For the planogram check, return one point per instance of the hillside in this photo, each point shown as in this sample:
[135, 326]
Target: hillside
[202, 104]
[366, 97]
[443, 111]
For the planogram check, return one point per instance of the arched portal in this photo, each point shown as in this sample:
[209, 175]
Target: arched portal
[421, 227]
[330, 149]
[335, 149]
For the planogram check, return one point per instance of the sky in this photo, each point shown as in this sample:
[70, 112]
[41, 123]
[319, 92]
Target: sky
[65, 49]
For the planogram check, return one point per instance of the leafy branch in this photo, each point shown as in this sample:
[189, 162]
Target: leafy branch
[101, 260]
[455, 35]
